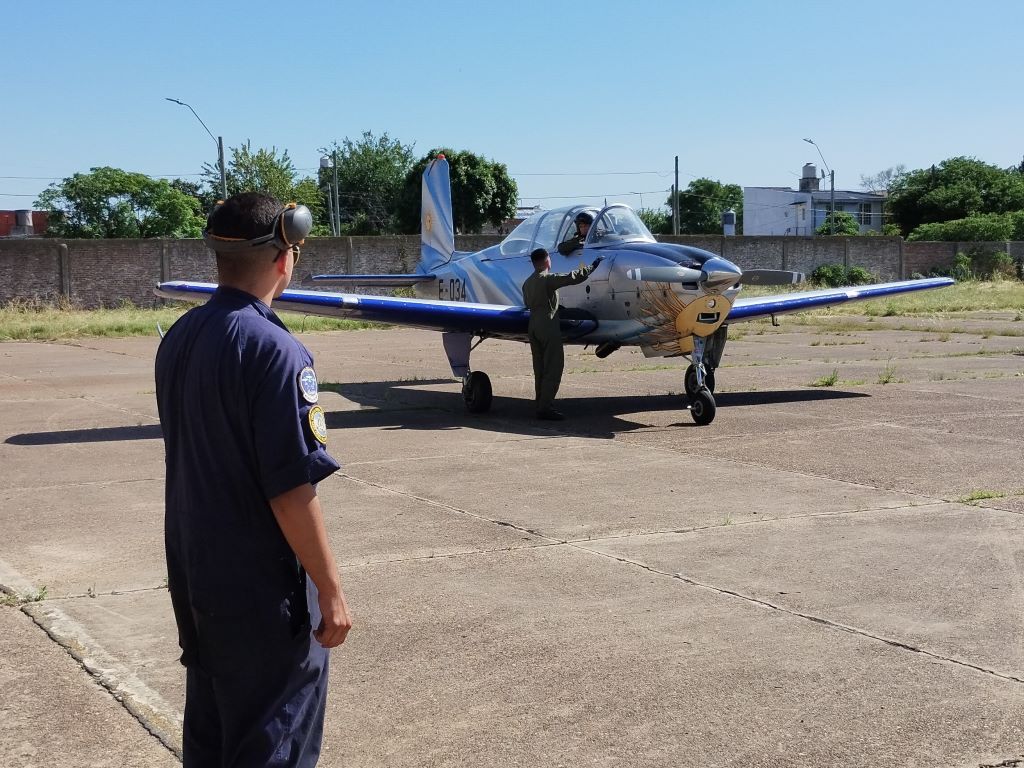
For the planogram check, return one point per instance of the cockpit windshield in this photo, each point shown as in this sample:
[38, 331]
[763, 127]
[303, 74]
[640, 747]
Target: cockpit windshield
[618, 224]
[546, 229]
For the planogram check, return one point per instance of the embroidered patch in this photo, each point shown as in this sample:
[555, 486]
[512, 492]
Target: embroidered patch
[307, 385]
[318, 423]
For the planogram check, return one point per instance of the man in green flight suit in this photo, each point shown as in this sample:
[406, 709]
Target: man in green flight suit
[540, 293]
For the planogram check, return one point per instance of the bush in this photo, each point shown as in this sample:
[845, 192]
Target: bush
[836, 275]
[980, 265]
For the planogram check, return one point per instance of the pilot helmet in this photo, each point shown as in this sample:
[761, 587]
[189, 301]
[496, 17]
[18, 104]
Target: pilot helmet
[586, 216]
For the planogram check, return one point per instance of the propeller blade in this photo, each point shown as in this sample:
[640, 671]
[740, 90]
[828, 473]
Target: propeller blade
[664, 275]
[771, 277]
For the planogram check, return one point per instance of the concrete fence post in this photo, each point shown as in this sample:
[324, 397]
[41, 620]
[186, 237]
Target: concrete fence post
[64, 269]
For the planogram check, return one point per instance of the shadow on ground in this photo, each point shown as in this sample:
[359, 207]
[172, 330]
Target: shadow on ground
[405, 405]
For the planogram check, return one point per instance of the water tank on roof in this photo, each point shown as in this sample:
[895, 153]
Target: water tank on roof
[809, 178]
[22, 224]
[729, 222]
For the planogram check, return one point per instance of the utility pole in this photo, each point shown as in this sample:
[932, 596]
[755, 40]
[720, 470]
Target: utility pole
[220, 148]
[675, 201]
[337, 193]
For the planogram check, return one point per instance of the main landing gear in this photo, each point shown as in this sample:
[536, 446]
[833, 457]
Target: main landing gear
[476, 391]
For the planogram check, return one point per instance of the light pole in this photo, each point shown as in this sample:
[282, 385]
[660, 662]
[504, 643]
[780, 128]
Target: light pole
[334, 200]
[220, 149]
[832, 189]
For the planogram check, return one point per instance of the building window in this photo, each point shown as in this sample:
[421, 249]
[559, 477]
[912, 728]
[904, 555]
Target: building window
[865, 214]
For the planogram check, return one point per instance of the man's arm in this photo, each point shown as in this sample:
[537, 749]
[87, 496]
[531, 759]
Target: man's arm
[560, 280]
[568, 246]
[298, 514]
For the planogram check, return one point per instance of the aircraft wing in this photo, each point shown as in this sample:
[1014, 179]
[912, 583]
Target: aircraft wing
[780, 304]
[494, 320]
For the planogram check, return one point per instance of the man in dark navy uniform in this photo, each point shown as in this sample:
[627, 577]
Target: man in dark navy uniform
[254, 585]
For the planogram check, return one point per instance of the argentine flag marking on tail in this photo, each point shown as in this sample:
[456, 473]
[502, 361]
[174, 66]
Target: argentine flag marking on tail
[437, 238]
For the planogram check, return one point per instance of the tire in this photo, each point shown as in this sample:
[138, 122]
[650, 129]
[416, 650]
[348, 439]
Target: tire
[702, 407]
[476, 391]
[690, 380]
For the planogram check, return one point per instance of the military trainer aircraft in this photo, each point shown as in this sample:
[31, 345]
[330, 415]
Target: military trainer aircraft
[669, 300]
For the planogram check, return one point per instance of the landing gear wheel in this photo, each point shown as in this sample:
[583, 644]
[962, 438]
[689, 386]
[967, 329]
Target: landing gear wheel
[702, 407]
[476, 391]
[690, 380]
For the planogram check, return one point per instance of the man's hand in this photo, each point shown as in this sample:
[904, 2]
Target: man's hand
[336, 621]
[597, 261]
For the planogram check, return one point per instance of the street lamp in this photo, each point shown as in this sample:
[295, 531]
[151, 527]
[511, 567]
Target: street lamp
[333, 199]
[220, 149]
[832, 189]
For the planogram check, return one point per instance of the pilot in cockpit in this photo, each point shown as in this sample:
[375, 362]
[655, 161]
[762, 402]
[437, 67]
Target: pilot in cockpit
[583, 222]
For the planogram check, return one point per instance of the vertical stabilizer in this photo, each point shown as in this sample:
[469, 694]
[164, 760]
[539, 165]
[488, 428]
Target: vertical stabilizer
[437, 238]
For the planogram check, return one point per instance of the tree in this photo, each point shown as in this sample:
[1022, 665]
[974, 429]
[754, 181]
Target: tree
[658, 221]
[957, 188]
[702, 203]
[371, 171]
[110, 202]
[482, 192]
[880, 182]
[846, 224]
[266, 171]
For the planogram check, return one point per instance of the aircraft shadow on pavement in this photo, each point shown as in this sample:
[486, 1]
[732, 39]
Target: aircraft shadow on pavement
[406, 405]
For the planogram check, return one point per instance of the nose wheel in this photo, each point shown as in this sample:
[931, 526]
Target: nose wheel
[476, 391]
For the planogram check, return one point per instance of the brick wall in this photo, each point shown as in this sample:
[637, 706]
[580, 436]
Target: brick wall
[107, 272]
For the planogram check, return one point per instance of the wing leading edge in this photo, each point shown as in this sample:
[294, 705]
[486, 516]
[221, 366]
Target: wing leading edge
[449, 316]
[766, 306]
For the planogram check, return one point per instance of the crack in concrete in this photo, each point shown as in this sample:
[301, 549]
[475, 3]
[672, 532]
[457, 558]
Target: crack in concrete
[806, 616]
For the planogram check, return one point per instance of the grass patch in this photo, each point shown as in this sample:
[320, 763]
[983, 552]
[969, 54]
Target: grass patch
[35, 321]
[888, 374]
[827, 381]
[981, 495]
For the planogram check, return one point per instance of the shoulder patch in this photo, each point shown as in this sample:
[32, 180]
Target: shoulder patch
[318, 423]
[307, 385]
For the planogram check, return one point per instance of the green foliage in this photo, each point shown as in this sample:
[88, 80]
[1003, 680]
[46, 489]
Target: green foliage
[836, 275]
[658, 221]
[111, 203]
[482, 192]
[958, 188]
[986, 227]
[701, 205]
[846, 224]
[371, 171]
[264, 170]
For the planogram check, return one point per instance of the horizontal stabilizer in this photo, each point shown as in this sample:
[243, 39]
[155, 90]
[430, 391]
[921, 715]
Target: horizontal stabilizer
[379, 281]
[771, 277]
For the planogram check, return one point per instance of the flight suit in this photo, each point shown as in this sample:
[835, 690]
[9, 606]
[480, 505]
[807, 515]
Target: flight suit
[568, 246]
[540, 294]
[237, 397]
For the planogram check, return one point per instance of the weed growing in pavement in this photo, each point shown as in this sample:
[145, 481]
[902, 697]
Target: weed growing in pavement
[888, 374]
[827, 381]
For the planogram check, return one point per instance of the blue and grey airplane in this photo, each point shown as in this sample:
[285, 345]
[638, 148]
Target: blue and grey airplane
[669, 300]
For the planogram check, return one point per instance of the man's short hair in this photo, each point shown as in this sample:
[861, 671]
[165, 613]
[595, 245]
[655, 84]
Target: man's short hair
[245, 216]
[538, 256]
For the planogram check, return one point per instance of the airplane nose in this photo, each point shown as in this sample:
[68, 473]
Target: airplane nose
[719, 274]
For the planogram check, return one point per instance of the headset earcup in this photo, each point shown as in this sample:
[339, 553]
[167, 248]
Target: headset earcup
[296, 223]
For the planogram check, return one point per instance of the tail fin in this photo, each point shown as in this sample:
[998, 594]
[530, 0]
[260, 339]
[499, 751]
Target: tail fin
[437, 241]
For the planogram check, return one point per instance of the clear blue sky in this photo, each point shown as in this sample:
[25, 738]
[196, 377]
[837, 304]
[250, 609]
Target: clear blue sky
[599, 94]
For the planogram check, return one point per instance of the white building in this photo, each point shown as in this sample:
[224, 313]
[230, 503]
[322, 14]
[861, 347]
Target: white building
[785, 211]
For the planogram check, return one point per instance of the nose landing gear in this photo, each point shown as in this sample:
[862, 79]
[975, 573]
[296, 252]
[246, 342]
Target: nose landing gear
[699, 383]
